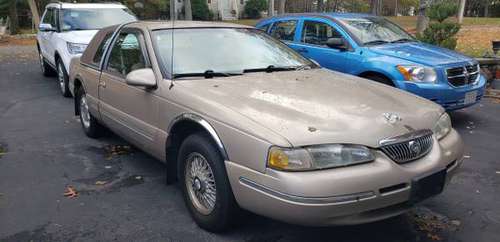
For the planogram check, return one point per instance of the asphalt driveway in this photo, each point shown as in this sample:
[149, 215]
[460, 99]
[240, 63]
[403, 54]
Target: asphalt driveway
[122, 193]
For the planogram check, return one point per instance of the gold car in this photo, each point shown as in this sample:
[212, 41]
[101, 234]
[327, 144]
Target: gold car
[244, 122]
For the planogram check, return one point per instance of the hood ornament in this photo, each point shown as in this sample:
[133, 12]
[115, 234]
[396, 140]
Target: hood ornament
[392, 118]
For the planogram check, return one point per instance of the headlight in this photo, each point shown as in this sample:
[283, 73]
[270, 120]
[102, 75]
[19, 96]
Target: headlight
[418, 73]
[443, 126]
[75, 48]
[318, 157]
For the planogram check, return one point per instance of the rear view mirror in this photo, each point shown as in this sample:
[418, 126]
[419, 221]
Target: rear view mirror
[46, 27]
[142, 78]
[337, 43]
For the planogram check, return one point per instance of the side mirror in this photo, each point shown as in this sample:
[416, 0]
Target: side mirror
[46, 27]
[141, 78]
[337, 43]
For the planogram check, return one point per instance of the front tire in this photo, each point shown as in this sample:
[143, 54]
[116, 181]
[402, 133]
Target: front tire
[62, 77]
[205, 185]
[89, 124]
[44, 66]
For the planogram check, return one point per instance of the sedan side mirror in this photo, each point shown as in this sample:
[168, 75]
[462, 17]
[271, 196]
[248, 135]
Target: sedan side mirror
[141, 78]
[337, 43]
[46, 27]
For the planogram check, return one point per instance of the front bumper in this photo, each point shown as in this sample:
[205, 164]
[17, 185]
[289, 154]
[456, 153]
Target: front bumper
[349, 195]
[451, 98]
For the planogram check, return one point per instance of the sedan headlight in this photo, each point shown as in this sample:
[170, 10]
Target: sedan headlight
[75, 48]
[318, 157]
[418, 73]
[442, 127]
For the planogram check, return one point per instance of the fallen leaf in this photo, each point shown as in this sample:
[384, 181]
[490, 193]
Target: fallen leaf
[107, 167]
[455, 222]
[498, 172]
[467, 156]
[70, 192]
[100, 183]
[434, 237]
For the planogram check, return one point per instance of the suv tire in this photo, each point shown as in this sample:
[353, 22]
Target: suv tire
[62, 78]
[44, 66]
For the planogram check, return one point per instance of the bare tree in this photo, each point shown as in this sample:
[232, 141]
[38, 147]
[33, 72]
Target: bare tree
[320, 6]
[281, 6]
[461, 8]
[374, 6]
[34, 13]
[270, 10]
[173, 13]
[187, 10]
[422, 20]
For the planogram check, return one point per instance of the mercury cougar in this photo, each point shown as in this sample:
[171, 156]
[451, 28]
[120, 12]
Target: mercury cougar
[243, 122]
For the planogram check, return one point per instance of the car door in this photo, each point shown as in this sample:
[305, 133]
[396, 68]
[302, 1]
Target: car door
[128, 110]
[47, 37]
[313, 36]
[284, 30]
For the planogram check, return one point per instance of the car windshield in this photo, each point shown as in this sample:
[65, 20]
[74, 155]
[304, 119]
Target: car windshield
[224, 51]
[375, 30]
[94, 18]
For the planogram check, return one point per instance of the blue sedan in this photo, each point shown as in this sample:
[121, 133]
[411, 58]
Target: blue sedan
[375, 48]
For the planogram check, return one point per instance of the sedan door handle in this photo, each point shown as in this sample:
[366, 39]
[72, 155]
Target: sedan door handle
[102, 84]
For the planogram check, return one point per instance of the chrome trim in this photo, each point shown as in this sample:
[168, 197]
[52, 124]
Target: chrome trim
[406, 137]
[206, 125]
[465, 74]
[342, 199]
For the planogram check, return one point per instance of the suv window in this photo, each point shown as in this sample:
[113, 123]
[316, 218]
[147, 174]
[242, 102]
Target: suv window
[50, 17]
[264, 27]
[126, 54]
[100, 50]
[284, 30]
[317, 33]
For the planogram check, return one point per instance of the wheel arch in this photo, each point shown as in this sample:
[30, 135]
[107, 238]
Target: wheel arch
[179, 129]
[367, 74]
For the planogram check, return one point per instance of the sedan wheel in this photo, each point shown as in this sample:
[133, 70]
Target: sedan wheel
[200, 183]
[84, 112]
[205, 184]
[89, 124]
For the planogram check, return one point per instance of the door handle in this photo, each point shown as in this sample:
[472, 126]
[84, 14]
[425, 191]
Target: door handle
[302, 50]
[102, 84]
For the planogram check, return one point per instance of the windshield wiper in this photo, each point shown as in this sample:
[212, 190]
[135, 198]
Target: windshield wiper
[207, 74]
[376, 42]
[272, 68]
[403, 40]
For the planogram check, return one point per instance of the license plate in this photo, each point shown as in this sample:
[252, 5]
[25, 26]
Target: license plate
[423, 188]
[470, 97]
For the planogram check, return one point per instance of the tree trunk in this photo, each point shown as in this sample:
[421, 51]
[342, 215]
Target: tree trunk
[320, 6]
[187, 10]
[422, 20]
[14, 20]
[270, 10]
[281, 6]
[396, 8]
[34, 13]
[486, 8]
[374, 7]
[173, 13]
[461, 8]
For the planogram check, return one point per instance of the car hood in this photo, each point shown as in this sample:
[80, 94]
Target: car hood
[315, 106]
[79, 37]
[421, 53]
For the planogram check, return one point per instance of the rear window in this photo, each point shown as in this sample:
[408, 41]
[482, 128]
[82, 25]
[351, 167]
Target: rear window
[100, 50]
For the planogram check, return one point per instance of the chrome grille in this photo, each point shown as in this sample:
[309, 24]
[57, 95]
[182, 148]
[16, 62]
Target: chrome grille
[408, 147]
[462, 75]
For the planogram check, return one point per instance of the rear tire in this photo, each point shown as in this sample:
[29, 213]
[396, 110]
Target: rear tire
[44, 66]
[90, 126]
[62, 78]
[205, 184]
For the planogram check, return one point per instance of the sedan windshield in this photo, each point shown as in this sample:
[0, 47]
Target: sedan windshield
[95, 18]
[223, 52]
[375, 30]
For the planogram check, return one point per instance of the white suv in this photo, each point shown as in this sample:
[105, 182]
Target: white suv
[67, 28]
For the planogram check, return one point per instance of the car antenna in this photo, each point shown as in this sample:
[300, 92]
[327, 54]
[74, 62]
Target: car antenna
[172, 19]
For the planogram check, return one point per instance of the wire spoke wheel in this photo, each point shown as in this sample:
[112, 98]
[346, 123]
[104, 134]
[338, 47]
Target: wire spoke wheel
[200, 183]
[84, 111]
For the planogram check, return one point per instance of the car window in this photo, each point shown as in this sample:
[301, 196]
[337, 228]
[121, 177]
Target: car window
[95, 18]
[264, 27]
[50, 17]
[284, 30]
[318, 33]
[126, 54]
[100, 50]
